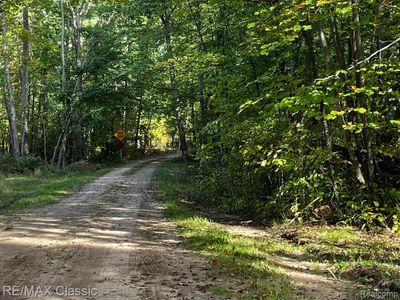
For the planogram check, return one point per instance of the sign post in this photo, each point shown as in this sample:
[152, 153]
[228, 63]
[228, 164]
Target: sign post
[120, 135]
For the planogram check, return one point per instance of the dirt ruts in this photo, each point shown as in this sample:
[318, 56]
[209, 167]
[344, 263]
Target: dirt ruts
[108, 241]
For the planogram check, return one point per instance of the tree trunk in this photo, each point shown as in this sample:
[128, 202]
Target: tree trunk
[63, 76]
[166, 20]
[6, 146]
[61, 153]
[25, 84]
[177, 109]
[43, 119]
[77, 24]
[202, 48]
[357, 57]
[10, 99]
[33, 121]
[203, 106]
[327, 132]
[338, 45]
[57, 148]
[310, 55]
[53, 158]
[255, 77]
[78, 134]
[324, 48]
[62, 140]
[138, 119]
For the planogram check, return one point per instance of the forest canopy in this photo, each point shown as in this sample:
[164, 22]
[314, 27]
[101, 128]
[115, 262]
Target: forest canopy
[290, 108]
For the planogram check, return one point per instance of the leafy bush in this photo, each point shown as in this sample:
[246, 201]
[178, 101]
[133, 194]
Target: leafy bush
[28, 162]
[9, 164]
[298, 179]
[47, 170]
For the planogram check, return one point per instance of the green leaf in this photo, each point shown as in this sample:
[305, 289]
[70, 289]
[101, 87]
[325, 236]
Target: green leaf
[330, 117]
[337, 113]
[395, 122]
[360, 110]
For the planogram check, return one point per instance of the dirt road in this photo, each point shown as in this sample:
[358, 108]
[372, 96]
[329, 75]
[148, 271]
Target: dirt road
[108, 241]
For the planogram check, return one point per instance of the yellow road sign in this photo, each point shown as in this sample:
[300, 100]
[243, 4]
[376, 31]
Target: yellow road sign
[120, 134]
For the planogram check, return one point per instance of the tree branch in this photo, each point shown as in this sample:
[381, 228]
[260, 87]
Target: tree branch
[359, 63]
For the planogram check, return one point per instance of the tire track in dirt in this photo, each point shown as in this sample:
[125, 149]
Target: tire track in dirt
[110, 236]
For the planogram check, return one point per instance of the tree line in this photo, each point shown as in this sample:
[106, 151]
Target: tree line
[291, 108]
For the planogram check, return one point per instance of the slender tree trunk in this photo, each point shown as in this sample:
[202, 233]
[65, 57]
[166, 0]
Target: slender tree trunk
[10, 97]
[63, 76]
[337, 42]
[177, 108]
[62, 140]
[357, 57]
[61, 146]
[339, 51]
[61, 153]
[44, 134]
[77, 24]
[138, 119]
[25, 84]
[43, 119]
[255, 77]
[4, 106]
[53, 158]
[32, 122]
[77, 137]
[193, 116]
[57, 148]
[202, 48]
[311, 62]
[203, 105]
[324, 44]
[147, 141]
[310, 56]
[327, 132]
[295, 61]
[166, 20]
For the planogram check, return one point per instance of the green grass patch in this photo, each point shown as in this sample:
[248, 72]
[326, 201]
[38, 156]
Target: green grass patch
[242, 258]
[221, 290]
[342, 252]
[37, 188]
[349, 253]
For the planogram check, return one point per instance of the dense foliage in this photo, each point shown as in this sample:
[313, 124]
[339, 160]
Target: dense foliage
[290, 107]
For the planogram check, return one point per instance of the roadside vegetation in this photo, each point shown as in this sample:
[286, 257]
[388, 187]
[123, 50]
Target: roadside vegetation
[29, 182]
[368, 259]
[288, 109]
[291, 108]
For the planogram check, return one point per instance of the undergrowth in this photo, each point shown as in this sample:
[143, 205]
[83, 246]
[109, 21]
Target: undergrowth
[33, 182]
[370, 260]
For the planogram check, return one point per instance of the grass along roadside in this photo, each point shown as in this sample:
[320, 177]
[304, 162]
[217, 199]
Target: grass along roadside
[229, 254]
[44, 186]
[264, 264]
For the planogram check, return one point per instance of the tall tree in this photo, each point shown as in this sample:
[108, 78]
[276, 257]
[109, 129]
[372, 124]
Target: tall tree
[10, 94]
[166, 21]
[25, 82]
